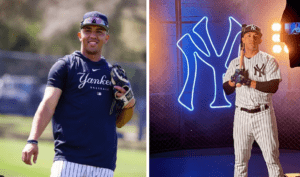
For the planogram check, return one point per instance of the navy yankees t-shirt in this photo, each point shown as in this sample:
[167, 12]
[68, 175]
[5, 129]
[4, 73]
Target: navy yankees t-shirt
[83, 130]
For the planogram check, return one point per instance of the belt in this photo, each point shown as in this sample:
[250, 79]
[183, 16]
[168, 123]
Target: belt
[253, 110]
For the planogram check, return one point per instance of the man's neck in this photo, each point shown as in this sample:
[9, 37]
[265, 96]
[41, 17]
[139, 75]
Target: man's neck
[250, 54]
[94, 58]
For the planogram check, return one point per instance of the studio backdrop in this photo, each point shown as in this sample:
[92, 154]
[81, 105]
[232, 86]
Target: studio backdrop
[191, 45]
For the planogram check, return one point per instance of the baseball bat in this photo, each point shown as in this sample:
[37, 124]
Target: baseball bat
[242, 53]
[242, 57]
[242, 48]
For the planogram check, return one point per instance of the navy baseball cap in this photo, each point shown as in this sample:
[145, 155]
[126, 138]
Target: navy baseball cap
[250, 28]
[95, 18]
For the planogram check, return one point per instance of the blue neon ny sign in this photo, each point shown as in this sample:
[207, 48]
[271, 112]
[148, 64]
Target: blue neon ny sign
[208, 54]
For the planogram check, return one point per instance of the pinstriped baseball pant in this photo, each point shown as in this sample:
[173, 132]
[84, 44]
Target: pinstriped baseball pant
[262, 128]
[70, 169]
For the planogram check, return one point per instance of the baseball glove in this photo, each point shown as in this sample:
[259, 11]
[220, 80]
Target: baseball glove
[241, 76]
[119, 78]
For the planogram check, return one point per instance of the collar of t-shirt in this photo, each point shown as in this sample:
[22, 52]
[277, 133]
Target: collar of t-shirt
[100, 62]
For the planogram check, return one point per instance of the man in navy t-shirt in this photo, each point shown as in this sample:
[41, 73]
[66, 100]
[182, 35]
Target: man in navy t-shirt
[78, 96]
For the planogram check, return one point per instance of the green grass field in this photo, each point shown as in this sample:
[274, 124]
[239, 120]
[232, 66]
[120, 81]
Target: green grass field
[14, 131]
[15, 125]
[129, 163]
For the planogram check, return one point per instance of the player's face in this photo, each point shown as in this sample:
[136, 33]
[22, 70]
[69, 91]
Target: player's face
[252, 41]
[92, 39]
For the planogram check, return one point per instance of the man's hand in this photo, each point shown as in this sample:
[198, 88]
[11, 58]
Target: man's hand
[252, 84]
[28, 151]
[233, 84]
[120, 93]
[238, 85]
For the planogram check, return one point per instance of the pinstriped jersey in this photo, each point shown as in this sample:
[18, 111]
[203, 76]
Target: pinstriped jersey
[262, 67]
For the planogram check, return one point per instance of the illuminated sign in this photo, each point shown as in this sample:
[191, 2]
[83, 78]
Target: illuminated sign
[205, 50]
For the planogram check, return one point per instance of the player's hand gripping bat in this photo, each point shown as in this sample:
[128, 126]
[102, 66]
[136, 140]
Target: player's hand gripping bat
[240, 76]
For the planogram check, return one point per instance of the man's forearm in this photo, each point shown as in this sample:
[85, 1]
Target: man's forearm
[44, 112]
[40, 121]
[229, 87]
[267, 87]
[124, 117]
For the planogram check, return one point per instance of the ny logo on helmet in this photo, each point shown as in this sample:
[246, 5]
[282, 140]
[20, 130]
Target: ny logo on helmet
[205, 51]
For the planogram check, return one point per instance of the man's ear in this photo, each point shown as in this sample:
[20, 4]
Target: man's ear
[79, 35]
[260, 40]
[106, 38]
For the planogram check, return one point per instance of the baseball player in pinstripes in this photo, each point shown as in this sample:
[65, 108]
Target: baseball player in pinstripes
[254, 119]
[79, 95]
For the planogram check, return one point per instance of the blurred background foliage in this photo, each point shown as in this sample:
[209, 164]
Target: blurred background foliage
[50, 27]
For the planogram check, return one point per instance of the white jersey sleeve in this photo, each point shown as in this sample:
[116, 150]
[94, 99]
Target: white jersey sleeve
[273, 70]
[231, 70]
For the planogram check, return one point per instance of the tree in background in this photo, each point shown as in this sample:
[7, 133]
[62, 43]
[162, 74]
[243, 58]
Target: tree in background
[19, 25]
[23, 24]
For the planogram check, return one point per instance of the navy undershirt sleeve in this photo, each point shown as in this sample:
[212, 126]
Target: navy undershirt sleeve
[227, 88]
[58, 74]
[268, 87]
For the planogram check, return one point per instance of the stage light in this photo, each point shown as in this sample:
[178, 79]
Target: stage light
[276, 38]
[277, 48]
[286, 49]
[276, 27]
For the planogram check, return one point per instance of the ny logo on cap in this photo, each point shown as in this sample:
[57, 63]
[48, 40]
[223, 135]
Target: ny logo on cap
[253, 27]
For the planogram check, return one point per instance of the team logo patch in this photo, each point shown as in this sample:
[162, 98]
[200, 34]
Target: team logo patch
[261, 70]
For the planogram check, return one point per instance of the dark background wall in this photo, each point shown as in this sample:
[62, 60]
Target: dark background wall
[204, 122]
